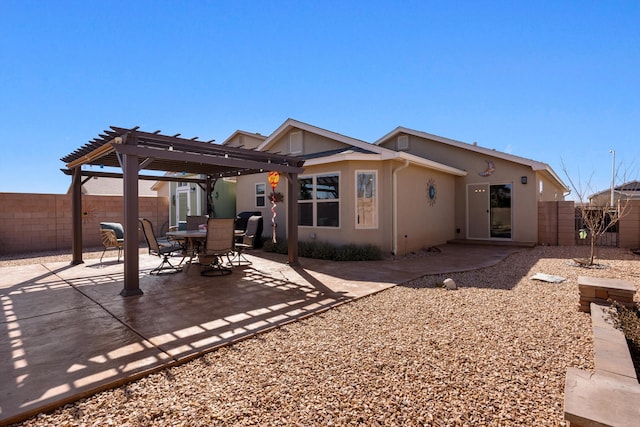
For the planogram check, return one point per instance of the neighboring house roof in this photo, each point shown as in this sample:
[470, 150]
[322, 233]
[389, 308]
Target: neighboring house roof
[630, 190]
[239, 133]
[113, 187]
[360, 150]
[533, 164]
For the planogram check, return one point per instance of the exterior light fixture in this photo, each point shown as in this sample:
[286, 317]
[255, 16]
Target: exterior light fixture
[523, 179]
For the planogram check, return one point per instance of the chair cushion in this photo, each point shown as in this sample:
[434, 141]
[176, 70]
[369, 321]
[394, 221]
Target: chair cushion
[116, 227]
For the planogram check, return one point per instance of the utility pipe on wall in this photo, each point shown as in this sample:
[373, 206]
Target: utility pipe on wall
[394, 246]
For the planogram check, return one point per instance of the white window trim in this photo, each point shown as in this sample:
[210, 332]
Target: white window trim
[375, 173]
[314, 200]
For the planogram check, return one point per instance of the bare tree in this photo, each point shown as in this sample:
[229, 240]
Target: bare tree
[598, 214]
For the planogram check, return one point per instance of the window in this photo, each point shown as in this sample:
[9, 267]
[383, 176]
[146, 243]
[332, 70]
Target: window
[366, 199]
[319, 201]
[260, 194]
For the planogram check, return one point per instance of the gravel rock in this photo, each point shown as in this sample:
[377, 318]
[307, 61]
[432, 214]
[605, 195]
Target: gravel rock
[494, 353]
[449, 284]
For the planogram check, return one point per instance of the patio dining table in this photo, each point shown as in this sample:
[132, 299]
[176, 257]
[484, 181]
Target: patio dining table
[192, 237]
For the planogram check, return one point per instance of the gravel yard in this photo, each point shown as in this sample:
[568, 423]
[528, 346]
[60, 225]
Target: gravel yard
[494, 352]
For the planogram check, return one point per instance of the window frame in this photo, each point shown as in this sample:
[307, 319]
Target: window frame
[263, 195]
[314, 201]
[375, 197]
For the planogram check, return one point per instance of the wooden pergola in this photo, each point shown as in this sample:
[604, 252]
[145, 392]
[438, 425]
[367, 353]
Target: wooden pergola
[133, 150]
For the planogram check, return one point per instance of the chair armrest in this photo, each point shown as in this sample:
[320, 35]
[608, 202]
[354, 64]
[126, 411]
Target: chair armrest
[109, 238]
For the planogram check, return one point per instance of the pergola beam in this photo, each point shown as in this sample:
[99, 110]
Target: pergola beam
[230, 162]
[163, 178]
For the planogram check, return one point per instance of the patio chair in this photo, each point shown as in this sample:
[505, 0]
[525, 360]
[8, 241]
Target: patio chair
[163, 249]
[218, 244]
[247, 240]
[195, 221]
[112, 236]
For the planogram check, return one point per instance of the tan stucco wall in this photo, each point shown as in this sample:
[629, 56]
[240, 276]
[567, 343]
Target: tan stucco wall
[347, 232]
[246, 201]
[551, 191]
[245, 141]
[524, 196]
[424, 224]
[524, 205]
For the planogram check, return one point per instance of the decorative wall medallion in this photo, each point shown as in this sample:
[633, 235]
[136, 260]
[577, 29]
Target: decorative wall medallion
[489, 170]
[431, 192]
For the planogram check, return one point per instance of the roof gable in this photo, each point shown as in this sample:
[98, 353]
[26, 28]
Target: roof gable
[355, 149]
[533, 164]
[244, 139]
[291, 124]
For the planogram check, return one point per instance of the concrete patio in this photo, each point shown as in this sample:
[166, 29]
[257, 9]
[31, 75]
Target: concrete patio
[67, 332]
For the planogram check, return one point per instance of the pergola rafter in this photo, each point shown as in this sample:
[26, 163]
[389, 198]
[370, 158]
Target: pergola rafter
[133, 150]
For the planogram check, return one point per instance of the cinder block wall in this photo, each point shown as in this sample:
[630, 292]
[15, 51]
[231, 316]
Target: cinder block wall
[42, 222]
[556, 223]
[629, 226]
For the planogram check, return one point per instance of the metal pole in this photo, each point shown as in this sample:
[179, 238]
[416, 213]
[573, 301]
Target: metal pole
[613, 173]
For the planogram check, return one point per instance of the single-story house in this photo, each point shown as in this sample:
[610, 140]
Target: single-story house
[627, 191]
[406, 191]
[187, 198]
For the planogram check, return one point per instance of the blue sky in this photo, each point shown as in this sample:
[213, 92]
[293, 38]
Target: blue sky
[555, 81]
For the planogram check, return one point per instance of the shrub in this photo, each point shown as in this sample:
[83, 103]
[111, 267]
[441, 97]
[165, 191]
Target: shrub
[628, 321]
[328, 251]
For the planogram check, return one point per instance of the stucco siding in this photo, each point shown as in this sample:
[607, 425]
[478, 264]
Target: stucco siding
[488, 170]
[547, 190]
[423, 222]
[311, 143]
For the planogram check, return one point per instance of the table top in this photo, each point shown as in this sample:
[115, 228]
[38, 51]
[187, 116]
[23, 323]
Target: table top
[188, 234]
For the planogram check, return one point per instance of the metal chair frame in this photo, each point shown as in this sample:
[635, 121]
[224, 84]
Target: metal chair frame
[162, 250]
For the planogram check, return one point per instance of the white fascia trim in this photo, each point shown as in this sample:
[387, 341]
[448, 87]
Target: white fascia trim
[416, 160]
[343, 157]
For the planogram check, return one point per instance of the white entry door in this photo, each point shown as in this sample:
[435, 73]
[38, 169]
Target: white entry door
[478, 211]
[184, 202]
[489, 211]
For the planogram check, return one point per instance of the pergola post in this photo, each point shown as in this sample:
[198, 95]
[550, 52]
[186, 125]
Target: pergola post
[209, 198]
[292, 218]
[131, 251]
[76, 216]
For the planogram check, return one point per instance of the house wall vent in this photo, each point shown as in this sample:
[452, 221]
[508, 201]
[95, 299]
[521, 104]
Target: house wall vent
[295, 142]
[403, 142]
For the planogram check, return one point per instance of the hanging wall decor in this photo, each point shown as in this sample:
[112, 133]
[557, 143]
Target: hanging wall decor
[489, 170]
[274, 178]
[431, 192]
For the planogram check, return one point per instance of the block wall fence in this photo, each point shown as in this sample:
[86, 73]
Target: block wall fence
[42, 222]
[556, 224]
